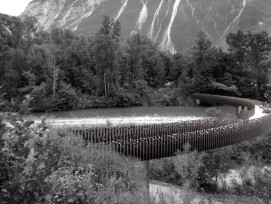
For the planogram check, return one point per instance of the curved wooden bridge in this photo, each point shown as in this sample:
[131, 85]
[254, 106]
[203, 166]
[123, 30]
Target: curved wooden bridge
[164, 140]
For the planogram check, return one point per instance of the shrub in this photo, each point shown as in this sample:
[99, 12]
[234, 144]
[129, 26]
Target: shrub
[29, 155]
[39, 165]
[72, 185]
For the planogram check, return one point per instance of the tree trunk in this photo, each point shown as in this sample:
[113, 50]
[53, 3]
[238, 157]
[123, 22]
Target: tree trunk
[55, 81]
[108, 87]
[116, 84]
[105, 92]
[257, 80]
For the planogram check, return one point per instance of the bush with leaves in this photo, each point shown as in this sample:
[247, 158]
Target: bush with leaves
[29, 156]
[111, 177]
[42, 165]
[71, 185]
[39, 165]
[187, 165]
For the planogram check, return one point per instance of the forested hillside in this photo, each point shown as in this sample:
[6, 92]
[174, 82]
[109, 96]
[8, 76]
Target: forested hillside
[61, 70]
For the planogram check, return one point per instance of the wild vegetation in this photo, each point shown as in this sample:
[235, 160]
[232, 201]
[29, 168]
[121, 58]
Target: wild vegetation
[61, 70]
[202, 172]
[42, 165]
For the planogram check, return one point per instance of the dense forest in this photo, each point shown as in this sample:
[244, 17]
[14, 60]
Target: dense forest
[61, 70]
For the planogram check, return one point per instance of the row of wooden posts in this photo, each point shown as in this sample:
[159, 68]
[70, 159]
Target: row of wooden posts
[155, 141]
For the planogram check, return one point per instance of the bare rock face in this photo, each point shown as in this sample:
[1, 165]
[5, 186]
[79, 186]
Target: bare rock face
[172, 24]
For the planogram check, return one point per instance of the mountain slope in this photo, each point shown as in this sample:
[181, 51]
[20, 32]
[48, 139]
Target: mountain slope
[172, 24]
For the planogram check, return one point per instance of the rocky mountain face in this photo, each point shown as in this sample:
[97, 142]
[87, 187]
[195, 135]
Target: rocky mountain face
[172, 24]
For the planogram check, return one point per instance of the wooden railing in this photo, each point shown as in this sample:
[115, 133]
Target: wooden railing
[228, 100]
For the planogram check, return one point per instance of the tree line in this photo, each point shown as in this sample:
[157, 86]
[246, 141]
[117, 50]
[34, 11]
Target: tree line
[61, 70]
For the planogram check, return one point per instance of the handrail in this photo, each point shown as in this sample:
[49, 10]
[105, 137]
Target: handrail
[229, 100]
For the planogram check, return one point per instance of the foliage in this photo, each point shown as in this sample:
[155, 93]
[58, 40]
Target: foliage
[41, 165]
[202, 170]
[220, 87]
[267, 94]
[187, 166]
[105, 54]
[72, 185]
[60, 70]
[251, 52]
[63, 71]
[29, 155]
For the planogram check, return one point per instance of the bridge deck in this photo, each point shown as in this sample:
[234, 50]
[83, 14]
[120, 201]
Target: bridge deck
[158, 141]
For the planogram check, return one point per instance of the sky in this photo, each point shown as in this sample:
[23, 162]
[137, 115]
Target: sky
[13, 7]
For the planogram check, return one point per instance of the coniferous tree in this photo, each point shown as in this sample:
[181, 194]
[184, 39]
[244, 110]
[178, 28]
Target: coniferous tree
[105, 48]
[203, 61]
